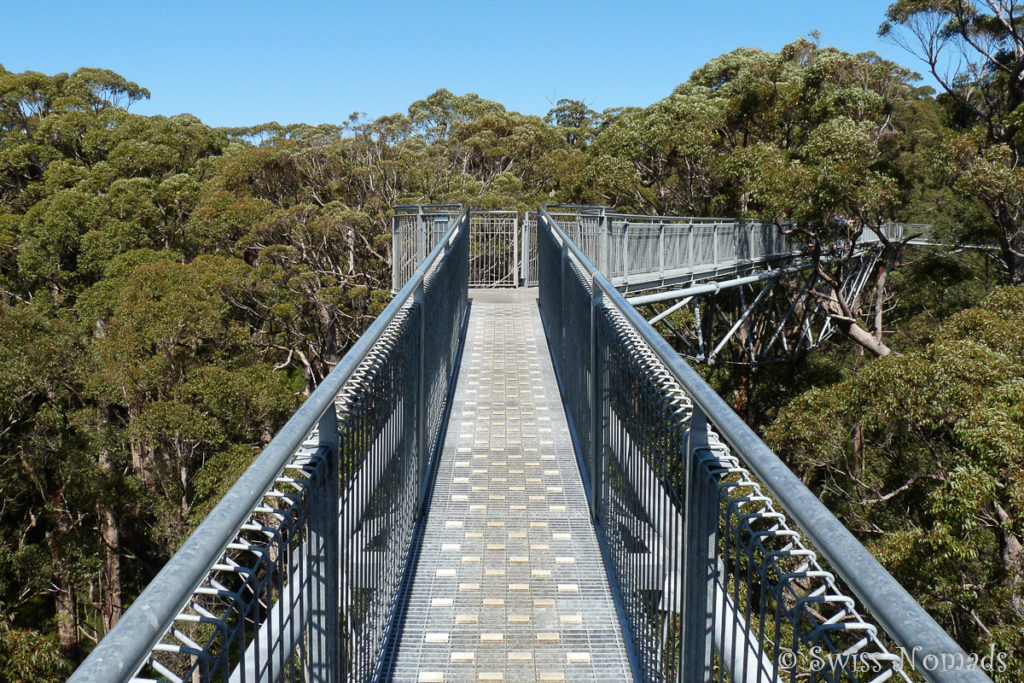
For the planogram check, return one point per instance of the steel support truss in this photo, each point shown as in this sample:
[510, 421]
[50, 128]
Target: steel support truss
[754, 319]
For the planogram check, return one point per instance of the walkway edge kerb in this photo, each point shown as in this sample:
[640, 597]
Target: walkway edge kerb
[899, 614]
[127, 645]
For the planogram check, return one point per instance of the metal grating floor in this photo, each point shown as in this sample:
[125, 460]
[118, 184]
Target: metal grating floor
[510, 584]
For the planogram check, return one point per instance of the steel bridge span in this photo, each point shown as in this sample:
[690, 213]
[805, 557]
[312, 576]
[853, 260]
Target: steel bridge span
[527, 484]
[724, 290]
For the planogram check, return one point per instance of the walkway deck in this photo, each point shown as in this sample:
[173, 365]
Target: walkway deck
[510, 583]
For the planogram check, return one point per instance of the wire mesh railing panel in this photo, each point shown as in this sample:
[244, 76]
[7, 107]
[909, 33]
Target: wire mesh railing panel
[528, 272]
[677, 245]
[404, 252]
[745, 248]
[529, 250]
[549, 269]
[727, 238]
[715, 582]
[445, 297]
[641, 247]
[576, 348]
[585, 232]
[416, 230]
[380, 474]
[703, 245]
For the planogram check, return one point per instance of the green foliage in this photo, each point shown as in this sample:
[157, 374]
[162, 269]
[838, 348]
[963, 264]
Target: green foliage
[921, 455]
[984, 101]
[28, 656]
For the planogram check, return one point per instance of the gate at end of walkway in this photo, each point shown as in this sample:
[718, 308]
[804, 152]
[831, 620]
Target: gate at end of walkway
[494, 240]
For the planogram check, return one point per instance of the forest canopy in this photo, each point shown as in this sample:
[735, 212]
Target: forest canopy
[169, 292]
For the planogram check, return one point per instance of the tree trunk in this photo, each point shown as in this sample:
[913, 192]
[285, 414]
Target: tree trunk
[862, 337]
[67, 619]
[1013, 258]
[741, 396]
[1015, 262]
[835, 310]
[64, 598]
[887, 265]
[110, 533]
[1011, 550]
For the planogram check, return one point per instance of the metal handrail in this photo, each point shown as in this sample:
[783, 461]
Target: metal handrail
[900, 615]
[129, 643]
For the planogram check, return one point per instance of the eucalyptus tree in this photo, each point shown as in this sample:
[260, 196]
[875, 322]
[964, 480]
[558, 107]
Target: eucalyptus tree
[809, 138]
[660, 159]
[933, 482]
[49, 484]
[975, 51]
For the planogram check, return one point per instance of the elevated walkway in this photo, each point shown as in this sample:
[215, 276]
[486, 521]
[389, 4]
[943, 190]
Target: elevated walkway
[422, 516]
[509, 584]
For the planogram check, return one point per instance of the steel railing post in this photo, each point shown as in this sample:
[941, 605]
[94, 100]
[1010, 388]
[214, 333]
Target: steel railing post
[661, 249]
[324, 634]
[563, 266]
[689, 244]
[604, 235]
[422, 447]
[395, 253]
[421, 236]
[698, 556]
[625, 250]
[524, 264]
[515, 250]
[596, 404]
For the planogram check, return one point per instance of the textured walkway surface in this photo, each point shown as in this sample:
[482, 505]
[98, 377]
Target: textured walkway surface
[510, 583]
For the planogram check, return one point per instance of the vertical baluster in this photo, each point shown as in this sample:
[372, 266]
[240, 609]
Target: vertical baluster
[324, 642]
[597, 367]
[698, 560]
[422, 447]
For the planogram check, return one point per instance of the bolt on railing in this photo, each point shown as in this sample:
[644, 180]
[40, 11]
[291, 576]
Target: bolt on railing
[295, 574]
[692, 511]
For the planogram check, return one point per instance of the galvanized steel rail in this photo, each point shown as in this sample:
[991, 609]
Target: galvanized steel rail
[294, 574]
[639, 252]
[643, 252]
[692, 509]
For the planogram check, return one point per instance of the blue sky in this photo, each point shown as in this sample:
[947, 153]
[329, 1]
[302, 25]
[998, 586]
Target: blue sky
[234, 63]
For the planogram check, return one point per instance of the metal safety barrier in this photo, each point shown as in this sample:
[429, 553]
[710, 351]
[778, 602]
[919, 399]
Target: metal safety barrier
[640, 252]
[415, 231]
[634, 252]
[694, 515]
[296, 574]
